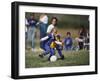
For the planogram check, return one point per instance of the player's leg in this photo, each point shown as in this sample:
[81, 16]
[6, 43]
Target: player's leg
[81, 45]
[46, 51]
[43, 28]
[60, 54]
[42, 45]
[52, 52]
[33, 38]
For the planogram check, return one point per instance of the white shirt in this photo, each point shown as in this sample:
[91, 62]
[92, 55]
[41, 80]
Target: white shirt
[50, 27]
[44, 19]
[26, 22]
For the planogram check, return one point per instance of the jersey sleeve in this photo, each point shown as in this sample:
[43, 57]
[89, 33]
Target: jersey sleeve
[49, 29]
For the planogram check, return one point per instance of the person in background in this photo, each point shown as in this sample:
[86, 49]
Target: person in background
[43, 24]
[87, 40]
[68, 42]
[52, 25]
[31, 31]
[82, 35]
[26, 31]
[26, 28]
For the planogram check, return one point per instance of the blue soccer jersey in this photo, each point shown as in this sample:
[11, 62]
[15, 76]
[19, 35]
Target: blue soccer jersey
[50, 39]
[68, 43]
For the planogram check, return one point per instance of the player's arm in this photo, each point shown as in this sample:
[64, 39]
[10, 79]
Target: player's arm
[58, 42]
[44, 38]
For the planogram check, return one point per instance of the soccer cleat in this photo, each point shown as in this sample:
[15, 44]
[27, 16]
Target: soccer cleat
[41, 55]
[49, 57]
[62, 57]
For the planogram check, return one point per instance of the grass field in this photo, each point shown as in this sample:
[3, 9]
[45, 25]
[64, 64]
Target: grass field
[72, 58]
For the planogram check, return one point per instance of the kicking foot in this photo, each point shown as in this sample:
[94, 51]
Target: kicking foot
[62, 57]
[41, 55]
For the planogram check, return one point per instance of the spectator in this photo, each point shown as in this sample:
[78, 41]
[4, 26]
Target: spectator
[26, 27]
[31, 30]
[68, 42]
[82, 35]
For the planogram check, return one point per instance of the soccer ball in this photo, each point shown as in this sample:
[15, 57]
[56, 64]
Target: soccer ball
[53, 58]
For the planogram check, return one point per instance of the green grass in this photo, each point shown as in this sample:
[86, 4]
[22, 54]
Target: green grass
[72, 58]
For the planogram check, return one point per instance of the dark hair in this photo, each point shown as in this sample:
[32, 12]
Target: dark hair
[68, 33]
[55, 19]
[83, 31]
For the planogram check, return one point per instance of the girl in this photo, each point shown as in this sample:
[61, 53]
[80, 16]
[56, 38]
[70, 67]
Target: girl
[43, 24]
[53, 42]
[48, 38]
[82, 35]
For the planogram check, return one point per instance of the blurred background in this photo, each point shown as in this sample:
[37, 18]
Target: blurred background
[65, 20]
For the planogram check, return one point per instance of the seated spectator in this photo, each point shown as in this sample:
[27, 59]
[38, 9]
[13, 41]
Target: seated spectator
[68, 41]
[82, 36]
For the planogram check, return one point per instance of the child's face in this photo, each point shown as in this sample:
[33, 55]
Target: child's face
[58, 37]
[68, 35]
[55, 31]
[54, 21]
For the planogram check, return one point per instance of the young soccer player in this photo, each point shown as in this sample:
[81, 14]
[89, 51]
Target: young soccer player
[48, 40]
[57, 44]
[68, 41]
[53, 42]
[53, 24]
[48, 37]
[43, 24]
